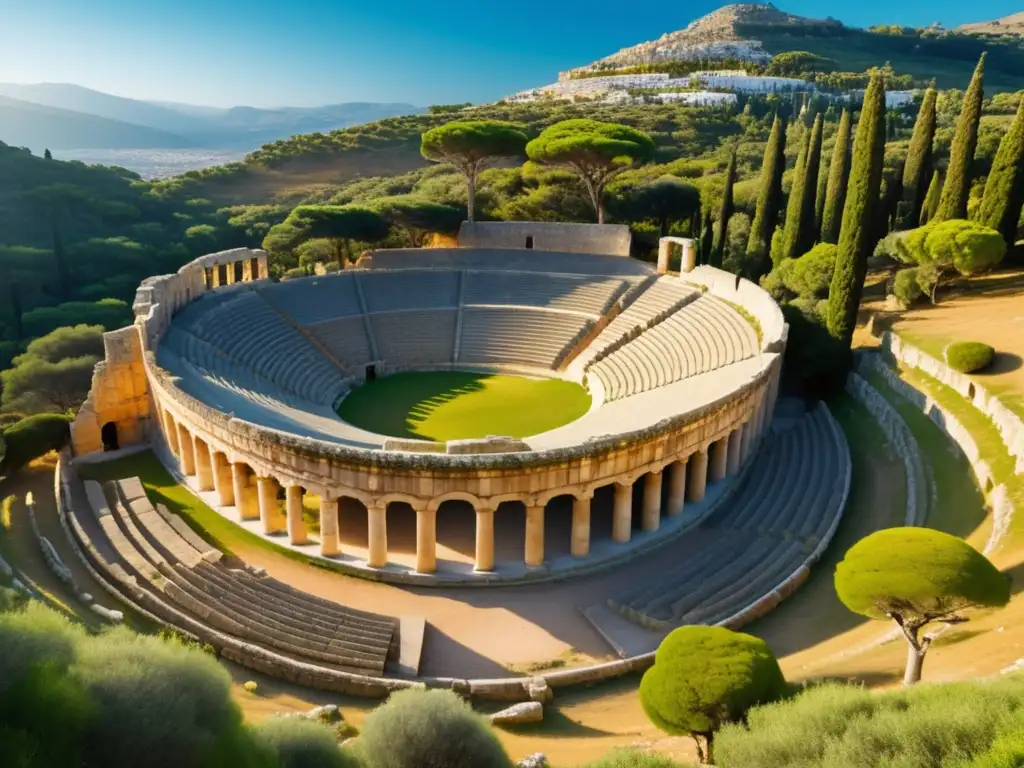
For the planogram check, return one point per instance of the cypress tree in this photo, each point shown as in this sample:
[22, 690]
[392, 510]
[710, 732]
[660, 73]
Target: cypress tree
[808, 231]
[61, 261]
[957, 187]
[706, 239]
[855, 237]
[725, 212]
[838, 175]
[1004, 189]
[931, 199]
[770, 194]
[918, 168]
[819, 200]
[795, 206]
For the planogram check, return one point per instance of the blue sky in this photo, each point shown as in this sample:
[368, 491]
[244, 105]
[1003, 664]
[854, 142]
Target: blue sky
[309, 52]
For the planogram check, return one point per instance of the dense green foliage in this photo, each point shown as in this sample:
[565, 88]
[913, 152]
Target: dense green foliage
[55, 371]
[429, 729]
[339, 224]
[666, 199]
[845, 726]
[419, 216]
[32, 437]
[295, 742]
[916, 576]
[470, 146]
[769, 197]
[725, 211]
[838, 178]
[969, 356]
[905, 286]
[957, 187]
[855, 236]
[594, 151]
[809, 277]
[799, 234]
[930, 206]
[1004, 189]
[631, 758]
[918, 168]
[704, 677]
[945, 250]
[795, 205]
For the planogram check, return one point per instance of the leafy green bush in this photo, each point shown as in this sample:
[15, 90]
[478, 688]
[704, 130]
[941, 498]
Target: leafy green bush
[429, 729]
[632, 758]
[905, 286]
[1006, 752]
[841, 726]
[703, 677]
[33, 437]
[969, 356]
[296, 742]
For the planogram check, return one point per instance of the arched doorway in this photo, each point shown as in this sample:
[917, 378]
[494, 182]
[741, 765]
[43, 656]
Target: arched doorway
[108, 434]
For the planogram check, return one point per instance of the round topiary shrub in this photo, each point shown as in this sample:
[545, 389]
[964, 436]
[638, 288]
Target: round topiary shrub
[969, 356]
[429, 729]
[905, 286]
[704, 677]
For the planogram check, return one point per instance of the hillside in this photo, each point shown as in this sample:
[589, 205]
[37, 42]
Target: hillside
[1008, 25]
[209, 127]
[753, 34]
[39, 127]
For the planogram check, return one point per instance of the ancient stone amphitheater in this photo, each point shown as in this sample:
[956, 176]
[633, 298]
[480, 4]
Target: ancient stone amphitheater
[683, 458]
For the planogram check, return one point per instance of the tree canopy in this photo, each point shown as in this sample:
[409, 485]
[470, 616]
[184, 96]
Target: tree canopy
[944, 250]
[340, 224]
[704, 677]
[595, 151]
[471, 145]
[419, 215]
[957, 187]
[1004, 189]
[917, 576]
[665, 199]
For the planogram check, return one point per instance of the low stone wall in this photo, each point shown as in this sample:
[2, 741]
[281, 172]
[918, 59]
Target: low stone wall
[1009, 424]
[605, 239]
[997, 497]
[902, 440]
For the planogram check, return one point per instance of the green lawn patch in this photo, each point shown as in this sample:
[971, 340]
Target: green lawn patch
[458, 405]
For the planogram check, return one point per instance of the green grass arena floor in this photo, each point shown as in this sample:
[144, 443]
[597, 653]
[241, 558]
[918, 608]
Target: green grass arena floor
[459, 405]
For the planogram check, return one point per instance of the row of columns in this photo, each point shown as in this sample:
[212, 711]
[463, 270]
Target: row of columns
[252, 269]
[257, 497]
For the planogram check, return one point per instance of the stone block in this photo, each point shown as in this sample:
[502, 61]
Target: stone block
[518, 714]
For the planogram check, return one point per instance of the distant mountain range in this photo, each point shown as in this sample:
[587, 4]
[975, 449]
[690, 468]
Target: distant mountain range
[66, 116]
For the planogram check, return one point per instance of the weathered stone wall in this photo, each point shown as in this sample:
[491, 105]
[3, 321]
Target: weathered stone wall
[1009, 424]
[749, 296]
[919, 491]
[607, 239]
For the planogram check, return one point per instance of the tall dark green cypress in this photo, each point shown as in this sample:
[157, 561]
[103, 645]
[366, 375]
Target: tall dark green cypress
[918, 169]
[808, 232]
[707, 238]
[1004, 189]
[930, 206]
[838, 176]
[819, 200]
[855, 237]
[795, 206]
[957, 187]
[61, 262]
[725, 212]
[770, 195]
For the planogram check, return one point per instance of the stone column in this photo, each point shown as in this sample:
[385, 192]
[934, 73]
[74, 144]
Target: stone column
[746, 441]
[426, 541]
[579, 545]
[719, 460]
[689, 261]
[651, 518]
[242, 488]
[171, 430]
[676, 488]
[330, 542]
[222, 480]
[187, 458]
[247, 271]
[622, 513]
[377, 523]
[296, 523]
[664, 250]
[204, 470]
[535, 536]
[698, 480]
[270, 511]
[732, 464]
[484, 540]
[215, 276]
[231, 273]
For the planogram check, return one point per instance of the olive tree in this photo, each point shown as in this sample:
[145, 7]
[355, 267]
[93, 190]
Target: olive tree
[596, 152]
[341, 224]
[472, 146]
[704, 677]
[916, 577]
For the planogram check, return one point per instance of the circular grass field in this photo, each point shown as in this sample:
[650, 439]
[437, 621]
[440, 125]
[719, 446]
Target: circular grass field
[459, 405]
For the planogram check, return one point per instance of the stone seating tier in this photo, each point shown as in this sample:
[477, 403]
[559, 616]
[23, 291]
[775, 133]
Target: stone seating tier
[571, 293]
[315, 299]
[777, 518]
[505, 260]
[532, 337]
[345, 338]
[416, 337]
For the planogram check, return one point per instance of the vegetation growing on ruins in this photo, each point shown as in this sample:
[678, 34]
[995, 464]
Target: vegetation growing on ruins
[917, 577]
[705, 677]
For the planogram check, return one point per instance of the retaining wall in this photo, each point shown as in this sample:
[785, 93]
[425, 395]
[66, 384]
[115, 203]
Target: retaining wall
[605, 239]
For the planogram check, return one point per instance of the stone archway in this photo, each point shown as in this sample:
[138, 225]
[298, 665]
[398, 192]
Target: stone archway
[108, 435]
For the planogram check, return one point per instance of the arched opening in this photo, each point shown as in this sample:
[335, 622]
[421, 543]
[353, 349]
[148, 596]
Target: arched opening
[371, 372]
[558, 526]
[222, 274]
[601, 508]
[108, 434]
[353, 526]
[238, 269]
[509, 532]
[208, 277]
[456, 532]
[529, 242]
[401, 528]
[254, 269]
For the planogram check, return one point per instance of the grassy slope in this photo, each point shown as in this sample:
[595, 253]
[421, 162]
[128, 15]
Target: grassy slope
[453, 405]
